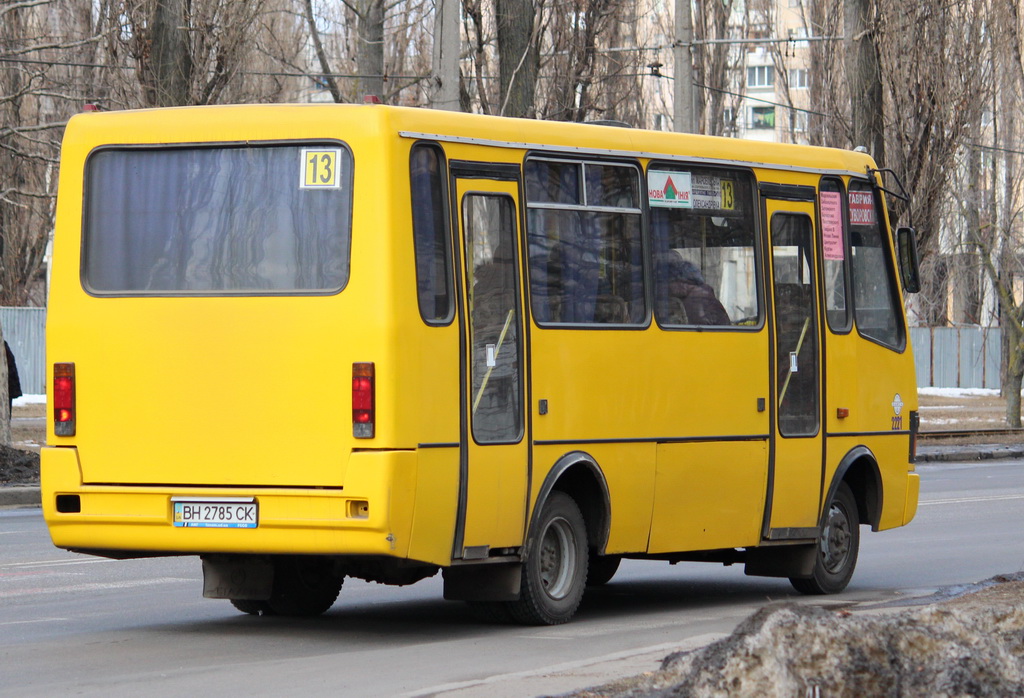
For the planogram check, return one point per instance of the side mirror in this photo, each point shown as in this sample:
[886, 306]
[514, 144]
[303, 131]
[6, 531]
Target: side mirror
[910, 265]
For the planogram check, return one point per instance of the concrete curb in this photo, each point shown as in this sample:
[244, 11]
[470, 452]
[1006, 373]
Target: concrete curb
[18, 496]
[961, 454]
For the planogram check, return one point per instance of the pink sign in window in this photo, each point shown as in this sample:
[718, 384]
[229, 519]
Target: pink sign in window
[832, 225]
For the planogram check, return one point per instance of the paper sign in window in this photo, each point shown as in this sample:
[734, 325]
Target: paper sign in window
[320, 168]
[832, 224]
[862, 208]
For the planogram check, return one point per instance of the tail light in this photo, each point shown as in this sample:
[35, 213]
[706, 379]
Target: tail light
[363, 411]
[64, 399]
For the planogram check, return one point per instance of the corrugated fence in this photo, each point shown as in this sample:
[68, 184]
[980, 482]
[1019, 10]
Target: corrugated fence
[957, 357]
[25, 331]
[946, 357]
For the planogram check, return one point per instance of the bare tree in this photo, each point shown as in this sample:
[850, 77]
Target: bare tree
[936, 78]
[518, 56]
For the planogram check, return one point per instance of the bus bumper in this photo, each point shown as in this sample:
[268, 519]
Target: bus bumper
[370, 515]
[913, 490]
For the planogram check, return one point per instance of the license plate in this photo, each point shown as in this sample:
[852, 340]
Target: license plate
[216, 513]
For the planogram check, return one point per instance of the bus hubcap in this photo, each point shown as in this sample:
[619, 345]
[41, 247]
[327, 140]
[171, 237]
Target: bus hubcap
[835, 539]
[557, 559]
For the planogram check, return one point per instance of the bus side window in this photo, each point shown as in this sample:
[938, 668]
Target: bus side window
[875, 301]
[430, 233]
[702, 233]
[584, 241]
[834, 254]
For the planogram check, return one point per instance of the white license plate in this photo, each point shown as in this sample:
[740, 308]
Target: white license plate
[220, 513]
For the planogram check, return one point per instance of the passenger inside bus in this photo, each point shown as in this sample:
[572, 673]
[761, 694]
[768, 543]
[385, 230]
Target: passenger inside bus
[691, 301]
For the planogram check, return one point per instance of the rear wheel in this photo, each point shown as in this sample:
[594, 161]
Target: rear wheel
[837, 548]
[555, 572]
[304, 586]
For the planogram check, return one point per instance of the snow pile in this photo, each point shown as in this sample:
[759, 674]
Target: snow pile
[973, 645]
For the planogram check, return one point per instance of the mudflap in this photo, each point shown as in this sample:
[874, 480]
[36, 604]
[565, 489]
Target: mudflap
[487, 582]
[237, 577]
[781, 561]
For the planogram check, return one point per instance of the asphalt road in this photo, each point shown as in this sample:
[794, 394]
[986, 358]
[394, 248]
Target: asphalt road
[71, 624]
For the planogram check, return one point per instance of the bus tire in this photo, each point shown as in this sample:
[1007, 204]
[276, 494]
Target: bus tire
[252, 607]
[555, 571]
[304, 586]
[837, 547]
[601, 569]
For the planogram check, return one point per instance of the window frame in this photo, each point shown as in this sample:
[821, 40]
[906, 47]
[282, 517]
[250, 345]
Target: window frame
[758, 242]
[764, 77]
[641, 211]
[847, 327]
[885, 236]
[449, 281]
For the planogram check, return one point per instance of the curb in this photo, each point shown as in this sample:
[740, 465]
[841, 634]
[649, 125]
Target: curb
[16, 496]
[960, 454]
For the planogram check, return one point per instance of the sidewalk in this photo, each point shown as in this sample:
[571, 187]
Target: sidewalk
[28, 496]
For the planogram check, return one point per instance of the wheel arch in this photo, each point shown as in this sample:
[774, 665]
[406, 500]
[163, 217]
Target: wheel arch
[859, 470]
[578, 475]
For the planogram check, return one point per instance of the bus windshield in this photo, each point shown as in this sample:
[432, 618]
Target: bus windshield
[222, 220]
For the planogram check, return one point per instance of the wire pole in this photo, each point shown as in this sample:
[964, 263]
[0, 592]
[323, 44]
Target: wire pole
[682, 54]
[444, 80]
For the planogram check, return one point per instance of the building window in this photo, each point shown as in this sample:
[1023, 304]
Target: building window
[760, 76]
[797, 37]
[762, 117]
[799, 78]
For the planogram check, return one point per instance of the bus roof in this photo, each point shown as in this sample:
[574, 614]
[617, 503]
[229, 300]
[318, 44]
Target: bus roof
[264, 121]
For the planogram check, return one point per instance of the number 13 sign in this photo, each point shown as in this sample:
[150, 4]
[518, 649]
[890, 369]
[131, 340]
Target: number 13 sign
[320, 168]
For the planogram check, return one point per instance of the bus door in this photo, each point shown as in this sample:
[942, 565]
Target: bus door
[795, 474]
[493, 444]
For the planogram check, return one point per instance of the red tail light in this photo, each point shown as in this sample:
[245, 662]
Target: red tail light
[63, 399]
[363, 412]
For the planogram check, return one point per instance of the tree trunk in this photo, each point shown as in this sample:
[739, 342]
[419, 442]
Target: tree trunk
[1011, 389]
[370, 54]
[518, 57]
[5, 400]
[171, 58]
[865, 79]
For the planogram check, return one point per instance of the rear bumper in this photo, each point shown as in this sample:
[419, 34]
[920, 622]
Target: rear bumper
[371, 515]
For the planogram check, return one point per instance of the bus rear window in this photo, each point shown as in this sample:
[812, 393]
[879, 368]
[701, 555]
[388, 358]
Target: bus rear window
[212, 221]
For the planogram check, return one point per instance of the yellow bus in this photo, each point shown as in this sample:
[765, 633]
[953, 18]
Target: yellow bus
[310, 342]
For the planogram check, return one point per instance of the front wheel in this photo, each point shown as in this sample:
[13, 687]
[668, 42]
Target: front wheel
[837, 547]
[555, 571]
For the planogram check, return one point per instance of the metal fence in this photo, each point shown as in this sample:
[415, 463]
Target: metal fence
[945, 357]
[25, 331]
[956, 357]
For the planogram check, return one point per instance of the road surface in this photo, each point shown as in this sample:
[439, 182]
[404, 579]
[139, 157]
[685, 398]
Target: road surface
[71, 624]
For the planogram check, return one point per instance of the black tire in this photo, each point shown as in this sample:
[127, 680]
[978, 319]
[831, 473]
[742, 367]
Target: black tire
[252, 607]
[837, 548]
[601, 568]
[304, 586]
[555, 570]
